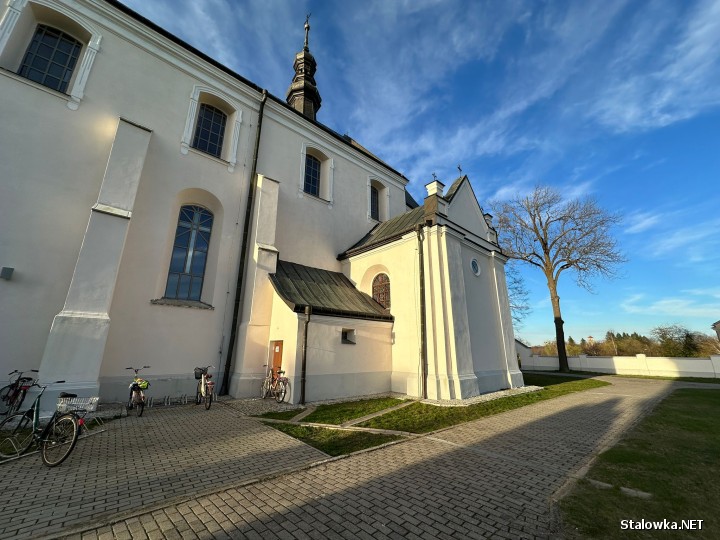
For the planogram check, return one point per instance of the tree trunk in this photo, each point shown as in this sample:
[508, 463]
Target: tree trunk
[559, 331]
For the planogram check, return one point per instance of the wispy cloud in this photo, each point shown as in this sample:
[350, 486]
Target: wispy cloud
[669, 73]
[642, 221]
[674, 306]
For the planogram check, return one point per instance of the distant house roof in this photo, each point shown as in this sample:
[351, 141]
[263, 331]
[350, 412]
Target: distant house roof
[326, 292]
[387, 231]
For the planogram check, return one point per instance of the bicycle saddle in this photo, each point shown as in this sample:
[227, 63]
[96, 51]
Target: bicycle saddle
[66, 394]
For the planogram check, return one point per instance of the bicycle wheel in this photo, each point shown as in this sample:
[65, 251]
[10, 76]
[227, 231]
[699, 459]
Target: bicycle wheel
[265, 388]
[280, 391]
[198, 394]
[5, 392]
[16, 435]
[17, 402]
[139, 404]
[208, 397]
[59, 439]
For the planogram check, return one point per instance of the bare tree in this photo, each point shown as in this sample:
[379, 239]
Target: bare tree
[517, 293]
[545, 231]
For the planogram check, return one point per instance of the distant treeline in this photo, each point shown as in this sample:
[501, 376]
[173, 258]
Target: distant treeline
[673, 340]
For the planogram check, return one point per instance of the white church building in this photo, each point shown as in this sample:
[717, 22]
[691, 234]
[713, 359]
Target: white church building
[157, 208]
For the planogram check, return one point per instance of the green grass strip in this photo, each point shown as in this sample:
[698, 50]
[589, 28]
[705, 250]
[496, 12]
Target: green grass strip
[423, 418]
[334, 442]
[672, 454]
[280, 415]
[339, 413]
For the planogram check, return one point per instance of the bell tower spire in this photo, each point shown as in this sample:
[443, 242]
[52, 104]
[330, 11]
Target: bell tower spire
[303, 94]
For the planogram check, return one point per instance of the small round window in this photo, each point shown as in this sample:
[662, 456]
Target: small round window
[475, 267]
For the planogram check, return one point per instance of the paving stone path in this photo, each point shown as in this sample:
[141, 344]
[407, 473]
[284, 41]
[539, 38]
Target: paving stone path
[188, 473]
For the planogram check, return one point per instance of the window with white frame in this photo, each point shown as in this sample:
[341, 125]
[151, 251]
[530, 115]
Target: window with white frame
[209, 130]
[53, 47]
[377, 200]
[50, 58]
[189, 254]
[317, 174]
[212, 126]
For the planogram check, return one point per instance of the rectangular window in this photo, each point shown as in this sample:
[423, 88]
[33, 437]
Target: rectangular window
[374, 203]
[210, 130]
[312, 175]
[50, 58]
[348, 336]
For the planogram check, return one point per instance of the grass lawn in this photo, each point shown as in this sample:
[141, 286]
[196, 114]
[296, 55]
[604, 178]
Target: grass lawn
[423, 418]
[334, 442]
[339, 413]
[281, 415]
[672, 454]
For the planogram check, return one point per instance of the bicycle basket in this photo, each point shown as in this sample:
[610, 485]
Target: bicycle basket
[199, 372]
[87, 404]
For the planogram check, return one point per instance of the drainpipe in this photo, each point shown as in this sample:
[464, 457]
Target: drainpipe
[224, 388]
[303, 365]
[423, 336]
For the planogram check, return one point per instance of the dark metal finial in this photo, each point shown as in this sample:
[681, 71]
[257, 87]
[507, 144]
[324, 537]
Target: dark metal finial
[434, 177]
[307, 29]
[460, 169]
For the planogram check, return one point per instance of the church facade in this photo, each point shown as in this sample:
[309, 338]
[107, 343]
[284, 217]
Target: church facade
[158, 209]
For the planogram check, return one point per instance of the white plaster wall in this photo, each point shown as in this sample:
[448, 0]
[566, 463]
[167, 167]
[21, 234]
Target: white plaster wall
[399, 261]
[631, 365]
[51, 178]
[337, 370]
[312, 231]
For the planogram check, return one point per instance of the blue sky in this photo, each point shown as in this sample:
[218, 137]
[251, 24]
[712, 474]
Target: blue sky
[614, 99]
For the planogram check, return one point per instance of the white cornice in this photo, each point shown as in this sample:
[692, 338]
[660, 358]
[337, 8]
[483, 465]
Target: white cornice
[139, 35]
[319, 136]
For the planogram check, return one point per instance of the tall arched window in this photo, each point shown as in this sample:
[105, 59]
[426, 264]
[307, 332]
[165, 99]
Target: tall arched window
[381, 290]
[189, 255]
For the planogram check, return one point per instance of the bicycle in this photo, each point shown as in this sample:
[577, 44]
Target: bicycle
[277, 385]
[137, 395]
[13, 395]
[56, 439]
[205, 387]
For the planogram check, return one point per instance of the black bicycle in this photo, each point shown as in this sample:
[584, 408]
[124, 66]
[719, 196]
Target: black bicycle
[56, 439]
[13, 395]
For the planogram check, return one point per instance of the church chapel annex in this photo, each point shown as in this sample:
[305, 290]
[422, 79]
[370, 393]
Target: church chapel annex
[156, 208]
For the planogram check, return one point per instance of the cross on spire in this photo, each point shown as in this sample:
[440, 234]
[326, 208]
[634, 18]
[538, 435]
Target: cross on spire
[307, 30]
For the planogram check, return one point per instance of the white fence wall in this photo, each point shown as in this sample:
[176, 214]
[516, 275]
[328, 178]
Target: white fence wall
[630, 365]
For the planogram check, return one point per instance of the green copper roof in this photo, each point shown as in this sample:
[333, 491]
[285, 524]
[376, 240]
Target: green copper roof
[387, 231]
[326, 292]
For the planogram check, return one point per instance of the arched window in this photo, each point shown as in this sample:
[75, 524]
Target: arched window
[50, 58]
[312, 175]
[189, 255]
[209, 130]
[381, 290]
[374, 203]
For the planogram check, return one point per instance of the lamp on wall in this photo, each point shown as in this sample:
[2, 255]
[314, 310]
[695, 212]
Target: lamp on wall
[6, 272]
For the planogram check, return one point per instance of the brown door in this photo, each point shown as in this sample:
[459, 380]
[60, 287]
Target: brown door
[276, 348]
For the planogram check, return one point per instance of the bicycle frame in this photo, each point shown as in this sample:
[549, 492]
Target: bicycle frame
[206, 387]
[137, 396]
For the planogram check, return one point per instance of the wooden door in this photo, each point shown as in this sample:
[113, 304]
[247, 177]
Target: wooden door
[276, 348]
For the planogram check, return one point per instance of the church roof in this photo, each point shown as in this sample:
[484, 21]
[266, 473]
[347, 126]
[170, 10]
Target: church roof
[453, 188]
[326, 292]
[387, 231]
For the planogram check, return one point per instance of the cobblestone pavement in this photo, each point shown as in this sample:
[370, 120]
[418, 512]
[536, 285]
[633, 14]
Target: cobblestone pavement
[492, 478]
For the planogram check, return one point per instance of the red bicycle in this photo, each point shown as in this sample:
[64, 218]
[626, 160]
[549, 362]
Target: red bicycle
[13, 395]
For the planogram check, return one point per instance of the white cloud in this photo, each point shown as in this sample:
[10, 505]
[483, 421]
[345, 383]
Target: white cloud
[673, 306]
[642, 221]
